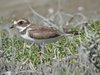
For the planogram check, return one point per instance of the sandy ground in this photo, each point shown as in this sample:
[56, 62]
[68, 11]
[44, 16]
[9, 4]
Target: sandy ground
[19, 8]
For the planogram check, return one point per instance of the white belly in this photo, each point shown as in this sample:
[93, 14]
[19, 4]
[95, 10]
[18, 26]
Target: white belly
[39, 41]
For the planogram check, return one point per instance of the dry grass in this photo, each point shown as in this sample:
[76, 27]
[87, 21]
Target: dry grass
[72, 55]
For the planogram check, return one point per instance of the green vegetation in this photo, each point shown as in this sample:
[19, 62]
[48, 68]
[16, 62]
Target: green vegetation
[72, 53]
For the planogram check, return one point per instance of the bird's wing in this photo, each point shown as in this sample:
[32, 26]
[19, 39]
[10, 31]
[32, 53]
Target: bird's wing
[42, 32]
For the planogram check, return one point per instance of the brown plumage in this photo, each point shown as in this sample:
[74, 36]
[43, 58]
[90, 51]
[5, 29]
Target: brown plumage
[42, 32]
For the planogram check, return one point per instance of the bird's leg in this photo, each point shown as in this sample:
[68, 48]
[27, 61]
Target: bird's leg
[40, 52]
[55, 54]
[40, 49]
[41, 46]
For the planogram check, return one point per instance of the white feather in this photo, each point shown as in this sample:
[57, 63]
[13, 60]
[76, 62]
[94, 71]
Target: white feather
[25, 36]
[15, 22]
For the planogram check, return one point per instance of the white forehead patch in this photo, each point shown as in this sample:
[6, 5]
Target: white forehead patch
[15, 22]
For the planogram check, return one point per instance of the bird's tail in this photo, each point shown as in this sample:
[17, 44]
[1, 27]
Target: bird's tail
[72, 32]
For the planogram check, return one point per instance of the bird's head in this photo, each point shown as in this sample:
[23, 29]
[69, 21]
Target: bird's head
[20, 24]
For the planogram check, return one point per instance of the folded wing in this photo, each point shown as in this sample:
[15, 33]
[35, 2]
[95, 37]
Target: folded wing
[42, 32]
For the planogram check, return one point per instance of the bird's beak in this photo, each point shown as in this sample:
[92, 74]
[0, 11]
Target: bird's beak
[12, 27]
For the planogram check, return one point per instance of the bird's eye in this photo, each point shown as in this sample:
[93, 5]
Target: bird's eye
[21, 22]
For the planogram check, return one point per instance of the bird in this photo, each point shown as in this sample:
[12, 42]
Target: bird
[38, 34]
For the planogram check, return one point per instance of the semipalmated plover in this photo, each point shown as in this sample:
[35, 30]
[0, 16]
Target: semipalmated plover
[38, 34]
